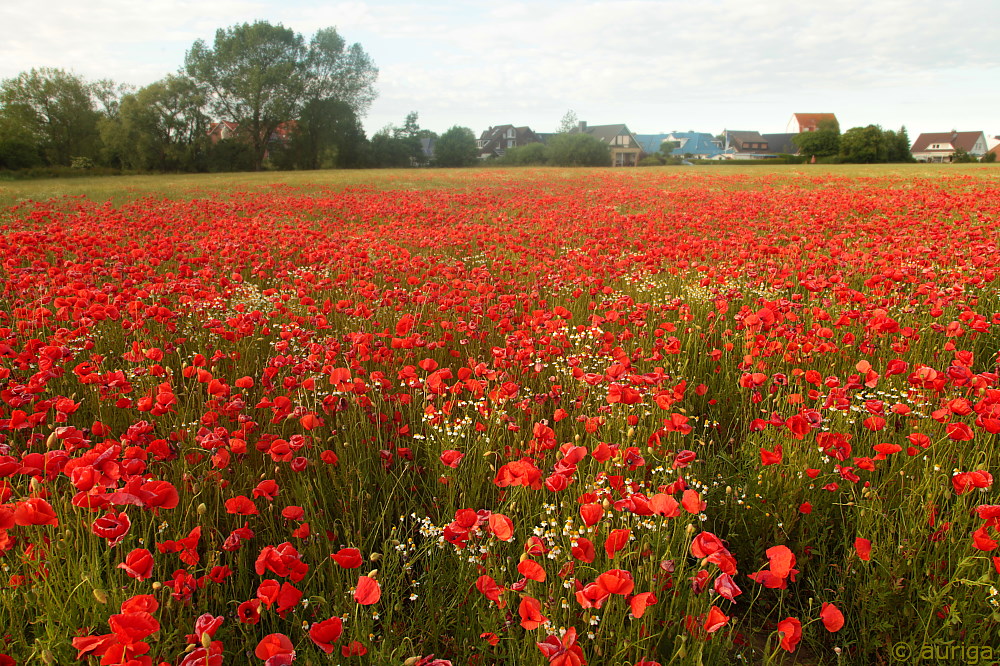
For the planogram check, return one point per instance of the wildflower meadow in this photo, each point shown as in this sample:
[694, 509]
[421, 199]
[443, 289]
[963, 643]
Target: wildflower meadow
[637, 417]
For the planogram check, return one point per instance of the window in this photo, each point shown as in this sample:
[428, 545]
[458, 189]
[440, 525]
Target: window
[510, 133]
[510, 143]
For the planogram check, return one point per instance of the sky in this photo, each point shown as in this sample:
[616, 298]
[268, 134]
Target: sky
[655, 65]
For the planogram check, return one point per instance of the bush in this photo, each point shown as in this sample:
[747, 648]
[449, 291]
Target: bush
[531, 155]
[578, 150]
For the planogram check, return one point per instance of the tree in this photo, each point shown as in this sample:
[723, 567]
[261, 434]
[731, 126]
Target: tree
[162, 127]
[56, 109]
[578, 149]
[823, 142]
[456, 148]
[387, 151]
[899, 146]
[261, 75]
[568, 123]
[962, 156]
[531, 154]
[328, 134]
[410, 134]
[865, 145]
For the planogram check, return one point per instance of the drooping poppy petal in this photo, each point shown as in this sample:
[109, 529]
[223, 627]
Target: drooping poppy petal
[832, 618]
[368, 591]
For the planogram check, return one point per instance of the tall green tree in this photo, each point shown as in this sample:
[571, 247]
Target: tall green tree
[823, 142]
[56, 109]
[261, 75]
[865, 145]
[456, 148]
[898, 146]
[161, 127]
[568, 123]
[327, 135]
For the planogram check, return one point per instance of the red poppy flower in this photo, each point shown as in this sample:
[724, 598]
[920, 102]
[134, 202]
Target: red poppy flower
[791, 633]
[616, 540]
[138, 564]
[354, 649]
[367, 591]
[325, 633]
[715, 620]
[501, 526]
[863, 548]
[531, 569]
[35, 511]
[530, 611]
[832, 618]
[274, 644]
[348, 558]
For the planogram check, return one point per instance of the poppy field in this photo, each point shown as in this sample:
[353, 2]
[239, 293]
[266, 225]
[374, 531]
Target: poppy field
[562, 417]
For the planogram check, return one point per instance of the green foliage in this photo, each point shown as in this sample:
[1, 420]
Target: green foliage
[533, 154]
[54, 109]
[456, 148]
[261, 75]
[864, 145]
[162, 127]
[387, 151]
[578, 149]
[230, 155]
[899, 146]
[328, 135]
[823, 142]
[17, 147]
[989, 158]
[962, 156]
[568, 123]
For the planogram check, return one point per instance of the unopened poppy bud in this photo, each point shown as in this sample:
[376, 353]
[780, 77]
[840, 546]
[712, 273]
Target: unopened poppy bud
[630, 433]
[576, 437]
[202, 509]
[373, 573]
[411, 661]
[50, 442]
[157, 585]
[729, 490]
[606, 504]
[375, 557]
[524, 556]
[100, 595]
[689, 530]
[206, 640]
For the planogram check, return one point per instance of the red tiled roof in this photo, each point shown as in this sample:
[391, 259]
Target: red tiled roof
[810, 121]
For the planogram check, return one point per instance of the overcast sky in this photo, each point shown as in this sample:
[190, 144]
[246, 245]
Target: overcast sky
[655, 65]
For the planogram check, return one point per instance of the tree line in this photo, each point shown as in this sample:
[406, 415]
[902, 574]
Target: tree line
[292, 103]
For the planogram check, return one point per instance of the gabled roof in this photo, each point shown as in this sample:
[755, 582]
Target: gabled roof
[810, 121]
[650, 143]
[781, 143]
[964, 140]
[606, 133]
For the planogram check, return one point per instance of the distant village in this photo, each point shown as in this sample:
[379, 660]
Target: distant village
[628, 148]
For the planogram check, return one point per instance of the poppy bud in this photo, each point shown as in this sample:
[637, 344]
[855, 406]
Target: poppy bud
[576, 437]
[373, 573]
[630, 433]
[206, 640]
[375, 557]
[100, 595]
[689, 530]
[202, 509]
[411, 661]
[605, 503]
[524, 556]
[51, 440]
[157, 585]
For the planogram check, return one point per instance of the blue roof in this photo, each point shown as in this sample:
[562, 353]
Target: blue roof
[696, 143]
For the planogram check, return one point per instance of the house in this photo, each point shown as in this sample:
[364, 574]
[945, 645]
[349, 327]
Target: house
[807, 122]
[427, 149]
[625, 148]
[941, 146]
[222, 130]
[781, 144]
[496, 141]
[746, 145]
[698, 145]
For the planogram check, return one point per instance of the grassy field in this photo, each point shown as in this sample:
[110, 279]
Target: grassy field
[648, 417]
[119, 189]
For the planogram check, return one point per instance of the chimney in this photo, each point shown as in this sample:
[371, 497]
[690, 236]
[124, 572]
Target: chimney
[582, 127]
